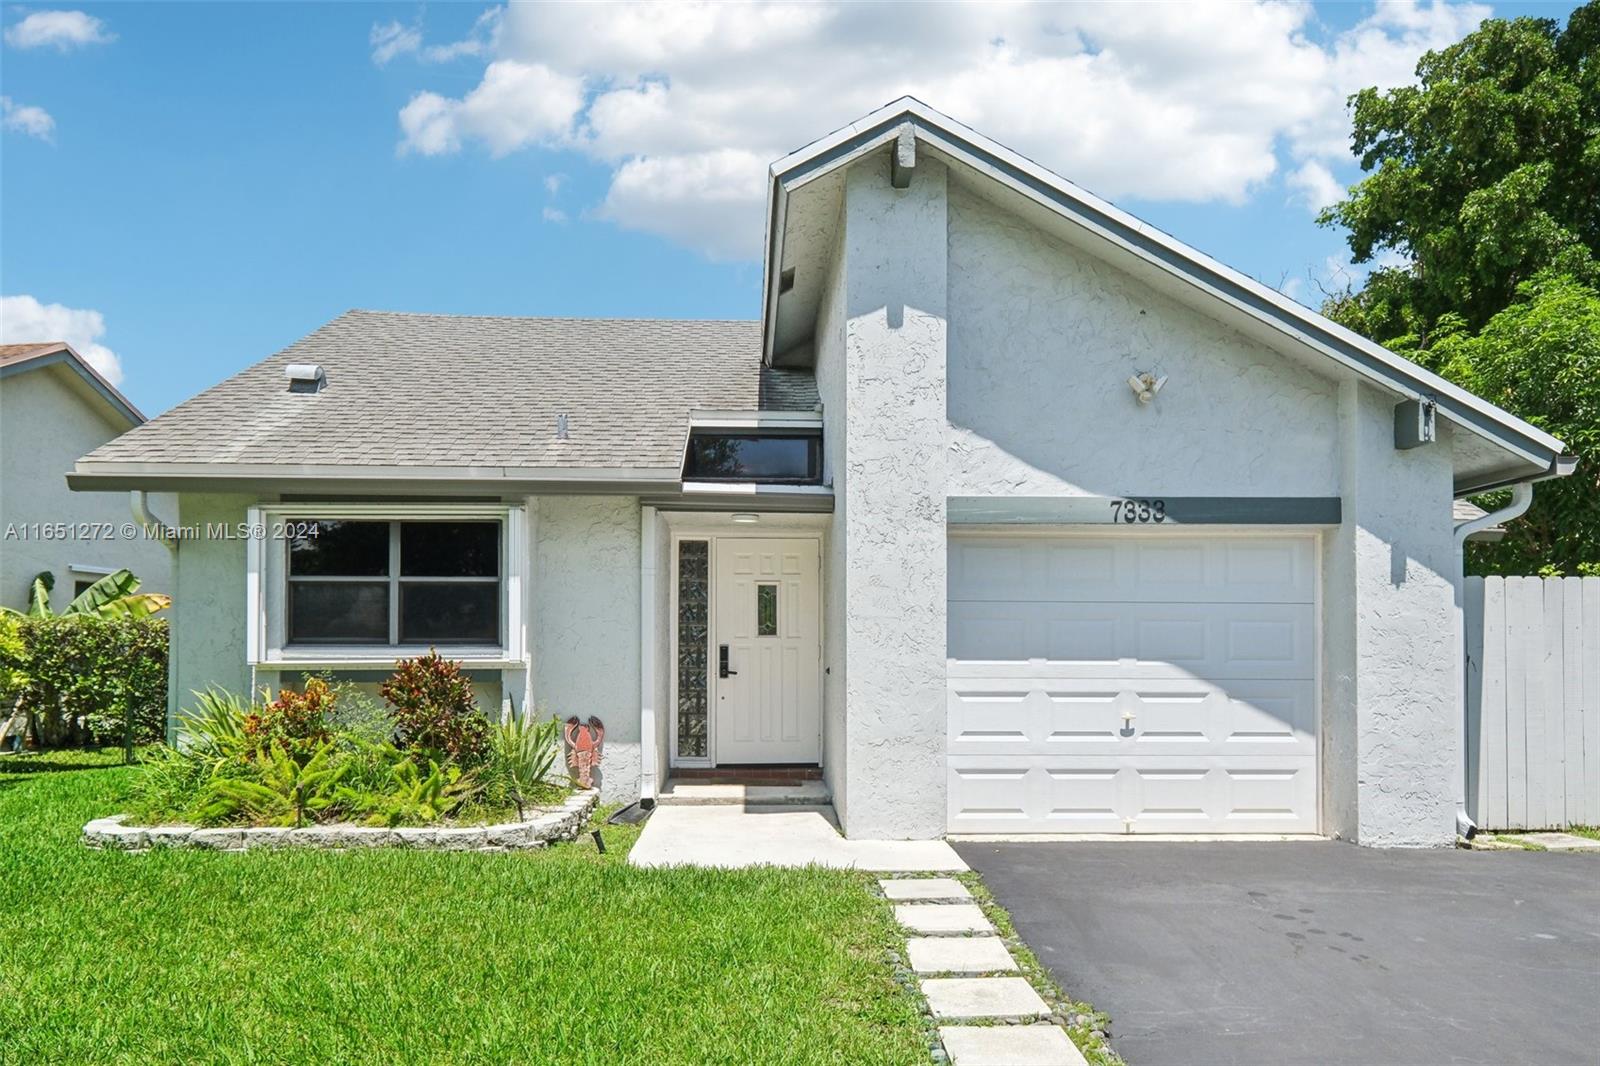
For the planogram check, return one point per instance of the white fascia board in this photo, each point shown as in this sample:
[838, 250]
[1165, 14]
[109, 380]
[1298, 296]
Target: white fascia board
[295, 471]
[754, 420]
[1150, 244]
[751, 488]
[97, 571]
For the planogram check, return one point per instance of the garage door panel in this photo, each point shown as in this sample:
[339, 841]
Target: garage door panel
[1104, 684]
[1026, 715]
[1100, 794]
[1231, 641]
[1130, 568]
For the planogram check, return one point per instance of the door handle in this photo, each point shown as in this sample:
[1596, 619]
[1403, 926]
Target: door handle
[722, 662]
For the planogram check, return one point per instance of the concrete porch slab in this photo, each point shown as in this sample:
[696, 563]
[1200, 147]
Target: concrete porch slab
[724, 793]
[736, 836]
[1009, 1045]
[982, 997]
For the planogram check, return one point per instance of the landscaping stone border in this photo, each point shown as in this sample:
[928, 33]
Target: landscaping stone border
[561, 823]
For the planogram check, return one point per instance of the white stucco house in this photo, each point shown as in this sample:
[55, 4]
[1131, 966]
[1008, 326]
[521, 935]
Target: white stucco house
[1010, 513]
[55, 407]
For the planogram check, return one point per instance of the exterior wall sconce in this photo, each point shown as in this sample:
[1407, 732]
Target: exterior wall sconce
[1145, 385]
[746, 519]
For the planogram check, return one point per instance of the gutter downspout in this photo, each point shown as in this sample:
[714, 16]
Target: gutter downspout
[139, 503]
[1521, 497]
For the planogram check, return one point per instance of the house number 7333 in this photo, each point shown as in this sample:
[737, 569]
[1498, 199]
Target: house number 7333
[1132, 511]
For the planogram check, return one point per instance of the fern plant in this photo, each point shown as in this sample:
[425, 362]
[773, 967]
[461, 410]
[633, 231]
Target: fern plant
[282, 791]
[411, 795]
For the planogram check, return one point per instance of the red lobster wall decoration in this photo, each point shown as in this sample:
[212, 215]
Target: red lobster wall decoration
[583, 748]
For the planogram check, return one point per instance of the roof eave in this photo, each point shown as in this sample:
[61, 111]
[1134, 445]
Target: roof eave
[66, 355]
[1244, 294]
[102, 476]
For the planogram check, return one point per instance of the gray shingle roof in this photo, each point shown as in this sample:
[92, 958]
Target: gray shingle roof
[456, 391]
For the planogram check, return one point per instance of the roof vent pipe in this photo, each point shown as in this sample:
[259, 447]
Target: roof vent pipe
[305, 377]
[1521, 497]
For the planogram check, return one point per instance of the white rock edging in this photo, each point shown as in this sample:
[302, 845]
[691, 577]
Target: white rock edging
[560, 823]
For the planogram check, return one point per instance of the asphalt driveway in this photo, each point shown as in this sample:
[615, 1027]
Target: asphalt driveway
[1315, 952]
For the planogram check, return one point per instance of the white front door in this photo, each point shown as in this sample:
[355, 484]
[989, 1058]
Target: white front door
[766, 651]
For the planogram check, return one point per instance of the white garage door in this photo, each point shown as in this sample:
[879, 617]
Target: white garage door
[1117, 684]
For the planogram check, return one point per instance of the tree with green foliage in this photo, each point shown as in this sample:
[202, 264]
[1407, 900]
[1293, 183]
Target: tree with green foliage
[113, 596]
[1484, 180]
[1482, 175]
[1541, 357]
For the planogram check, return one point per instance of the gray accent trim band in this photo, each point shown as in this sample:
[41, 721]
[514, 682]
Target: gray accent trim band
[1174, 510]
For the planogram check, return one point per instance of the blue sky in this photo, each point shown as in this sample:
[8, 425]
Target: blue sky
[216, 180]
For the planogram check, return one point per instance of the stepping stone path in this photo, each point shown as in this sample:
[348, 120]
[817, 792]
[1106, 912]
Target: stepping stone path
[955, 940]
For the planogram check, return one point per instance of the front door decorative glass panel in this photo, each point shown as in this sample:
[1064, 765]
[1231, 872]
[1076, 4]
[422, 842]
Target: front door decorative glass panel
[693, 635]
[766, 610]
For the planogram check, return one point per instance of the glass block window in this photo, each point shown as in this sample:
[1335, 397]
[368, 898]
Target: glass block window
[766, 610]
[694, 557]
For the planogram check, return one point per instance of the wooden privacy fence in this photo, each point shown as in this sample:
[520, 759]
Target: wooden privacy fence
[1533, 701]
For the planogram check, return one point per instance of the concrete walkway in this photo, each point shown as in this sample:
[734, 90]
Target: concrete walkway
[967, 974]
[731, 836]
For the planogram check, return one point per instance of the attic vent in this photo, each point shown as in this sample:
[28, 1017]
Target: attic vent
[305, 377]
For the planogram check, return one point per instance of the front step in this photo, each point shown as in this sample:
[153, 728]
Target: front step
[726, 793]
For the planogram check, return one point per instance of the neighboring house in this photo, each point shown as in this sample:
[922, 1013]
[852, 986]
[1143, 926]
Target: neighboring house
[914, 525]
[54, 407]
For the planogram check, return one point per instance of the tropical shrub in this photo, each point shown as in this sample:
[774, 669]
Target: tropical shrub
[330, 752]
[522, 754]
[217, 728]
[90, 678]
[113, 596]
[435, 714]
[295, 721]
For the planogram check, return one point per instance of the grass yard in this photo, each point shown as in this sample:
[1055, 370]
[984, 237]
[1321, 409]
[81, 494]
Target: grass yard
[564, 956]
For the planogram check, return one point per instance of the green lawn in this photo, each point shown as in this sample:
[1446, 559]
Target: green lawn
[564, 956]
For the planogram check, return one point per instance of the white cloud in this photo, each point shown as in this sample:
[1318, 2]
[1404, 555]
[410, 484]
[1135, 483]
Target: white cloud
[63, 30]
[394, 38]
[25, 118]
[689, 102]
[1315, 185]
[553, 214]
[515, 106]
[554, 182]
[391, 39]
[24, 320]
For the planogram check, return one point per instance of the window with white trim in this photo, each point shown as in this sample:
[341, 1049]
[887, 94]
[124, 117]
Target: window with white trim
[359, 581]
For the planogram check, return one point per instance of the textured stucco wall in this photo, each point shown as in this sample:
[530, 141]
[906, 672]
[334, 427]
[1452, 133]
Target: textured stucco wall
[208, 624]
[830, 372]
[585, 623]
[1042, 341]
[1388, 692]
[46, 425]
[894, 501]
[662, 613]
